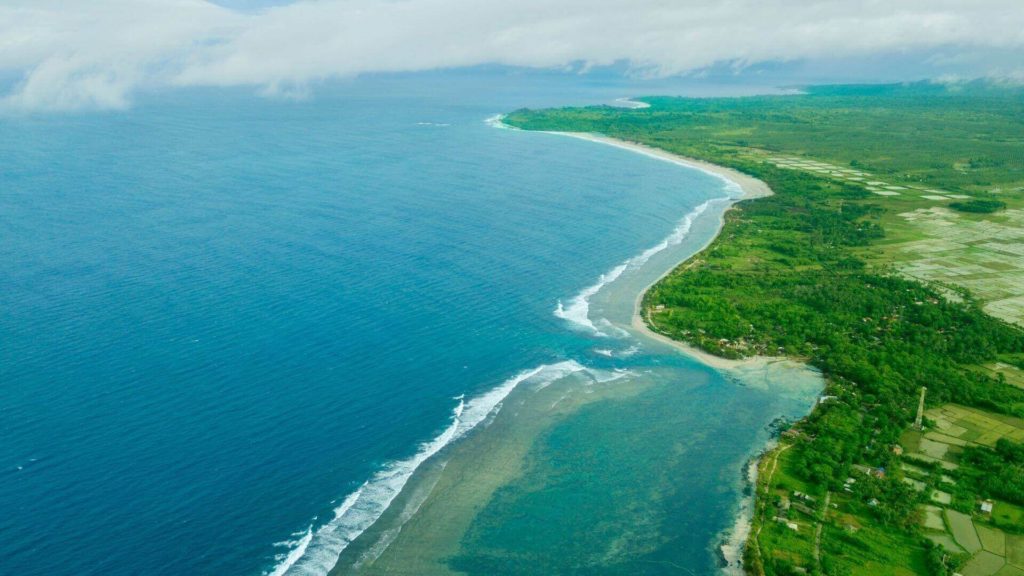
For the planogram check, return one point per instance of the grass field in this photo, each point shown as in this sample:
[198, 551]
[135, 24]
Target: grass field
[852, 542]
[789, 546]
[1009, 514]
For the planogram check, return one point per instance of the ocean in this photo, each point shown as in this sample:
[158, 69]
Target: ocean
[232, 327]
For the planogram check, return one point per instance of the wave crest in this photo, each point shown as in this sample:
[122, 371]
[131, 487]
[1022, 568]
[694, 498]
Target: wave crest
[577, 312]
[316, 553]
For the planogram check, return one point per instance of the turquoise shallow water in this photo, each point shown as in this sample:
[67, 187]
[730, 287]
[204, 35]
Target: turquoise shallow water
[222, 315]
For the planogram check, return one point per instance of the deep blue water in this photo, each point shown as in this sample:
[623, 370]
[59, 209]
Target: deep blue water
[220, 314]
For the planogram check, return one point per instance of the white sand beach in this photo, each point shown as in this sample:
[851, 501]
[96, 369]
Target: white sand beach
[751, 188]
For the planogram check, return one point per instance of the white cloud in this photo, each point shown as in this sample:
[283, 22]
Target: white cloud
[96, 53]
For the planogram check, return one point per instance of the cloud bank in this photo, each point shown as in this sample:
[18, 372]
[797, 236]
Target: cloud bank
[97, 53]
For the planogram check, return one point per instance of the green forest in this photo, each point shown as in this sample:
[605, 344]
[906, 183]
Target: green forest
[787, 276]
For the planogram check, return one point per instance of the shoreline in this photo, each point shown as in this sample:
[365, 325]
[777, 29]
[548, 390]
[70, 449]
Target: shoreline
[750, 187]
[403, 509]
[733, 540]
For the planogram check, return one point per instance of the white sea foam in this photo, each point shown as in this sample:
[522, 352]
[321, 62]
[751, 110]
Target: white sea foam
[297, 549]
[498, 121]
[603, 377]
[632, 350]
[734, 539]
[316, 554]
[577, 311]
[596, 376]
[630, 103]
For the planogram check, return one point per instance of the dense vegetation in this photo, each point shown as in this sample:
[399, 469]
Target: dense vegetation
[960, 138]
[782, 279]
[786, 275]
[979, 206]
[996, 473]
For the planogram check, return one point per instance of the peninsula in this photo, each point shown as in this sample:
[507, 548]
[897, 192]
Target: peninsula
[889, 258]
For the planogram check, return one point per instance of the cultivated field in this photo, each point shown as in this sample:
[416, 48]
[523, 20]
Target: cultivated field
[992, 550]
[873, 183]
[983, 253]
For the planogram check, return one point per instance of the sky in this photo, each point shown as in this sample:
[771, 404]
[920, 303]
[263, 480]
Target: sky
[100, 54]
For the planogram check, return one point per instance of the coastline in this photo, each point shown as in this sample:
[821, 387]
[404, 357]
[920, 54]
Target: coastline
[450, 491]
[802, 274]
[750, 188]
[733, 540]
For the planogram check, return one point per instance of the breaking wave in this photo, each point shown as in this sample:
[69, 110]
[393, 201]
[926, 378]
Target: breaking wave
[498, 121]
[630, 103]
[577, 311]
[316, 553]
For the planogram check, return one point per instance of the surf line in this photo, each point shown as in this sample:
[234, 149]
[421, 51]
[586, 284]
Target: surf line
[316, 552]
[577, 311]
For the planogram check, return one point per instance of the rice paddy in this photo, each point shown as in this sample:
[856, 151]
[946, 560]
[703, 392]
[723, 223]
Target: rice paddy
[962, 528]
[993, 551]
[873, 185]
[973, 426]
[984, 255]
[1008, 372]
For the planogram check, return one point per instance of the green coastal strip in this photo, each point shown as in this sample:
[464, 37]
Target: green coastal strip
[889, 258]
